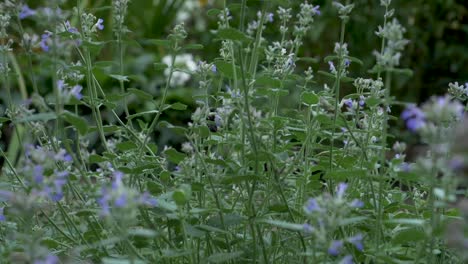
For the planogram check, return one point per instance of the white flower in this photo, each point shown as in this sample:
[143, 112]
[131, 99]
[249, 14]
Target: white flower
[182, 62]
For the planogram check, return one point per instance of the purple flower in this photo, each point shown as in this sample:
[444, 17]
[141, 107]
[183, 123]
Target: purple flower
[335, 247]
[456, 163]
[348, 259]
[307, 228]
[332, 67]
[316, 10]
[103, 201]
[405, 166]
[50, 259]
[349, 103]
[347, 63]
[312, 206]
[70, 29]
[270, 17]
[341, 189]
[121, 201]
[118, 175]
[26, 12]
[362, 101]
[44, 38]
[38, 174]
[2, 216]
[214, 69]
[76, 91]
[414, 118]
[357, 242]
[146, 199]
[356, 203]
[99, 24]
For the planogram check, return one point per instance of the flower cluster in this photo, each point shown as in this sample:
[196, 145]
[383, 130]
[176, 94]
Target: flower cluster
[122, 199]
[325, 214]
[47, 171]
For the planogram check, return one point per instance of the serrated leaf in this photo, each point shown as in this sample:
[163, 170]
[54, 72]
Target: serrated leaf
[224, 257]
[78, 122]
[233, 34]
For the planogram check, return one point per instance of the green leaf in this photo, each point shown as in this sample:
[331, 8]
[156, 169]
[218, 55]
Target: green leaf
[140, 94]
[330, 58]
[233, 34]
[154, 188]
[352, 220]
[159, 42]
[225, 68]
[4, 119]
[126, 145]
[406, 235]
[174, 156]
[37, 117]
[179, 106]
[118, 77]
[193, 47]
[224, 257]
[78, 122]
[238, 179]
[354, 59]
[94, 158]
[406, 221]
[406, 72]
[142, 232]
[309, 98]
[213, 12]
[282, 224]
[268, 81]
[327, 74]
[160, 66]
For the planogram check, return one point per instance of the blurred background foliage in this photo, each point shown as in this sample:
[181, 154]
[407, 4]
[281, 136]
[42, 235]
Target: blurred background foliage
[437, 53]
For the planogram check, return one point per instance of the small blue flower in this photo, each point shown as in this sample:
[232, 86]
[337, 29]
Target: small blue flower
[50, 259]
[2, 216]
[38, 174]
[99, 24]
[347, 63]
[103, 201]
[26, 12]
[316, 10]
[270, 17]
[362, 101]
[312, 206]
[214, 69]
[414, 118]
[335, 247]
[357, 242]
[332, 67]
[348, 259]
[349, 103]
[76, 91]
[44, 38]
[307, 228]
[121, 201]
[118, 175]
[146, 199]
[356, 203]
[70, 29]
[341, 189]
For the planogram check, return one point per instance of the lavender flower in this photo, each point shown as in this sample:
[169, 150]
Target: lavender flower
[44, 38]
[270, 17]
[214, 69]
[362, 101]
[50, 259]
[312, 206]
[2, 216]
[38, 174]
[348, 259]
[332, 67]
[414, 118]
[357, 242]
[146, 199]
[349, 103]
[335, 247]
[99, 24]
[103, 201]
[76, 91]
[356, 203]
[121, 201]
[70, 29]
[26, 12]
[307, 228]
[341, 189]
[347, 63]
[316, 10]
